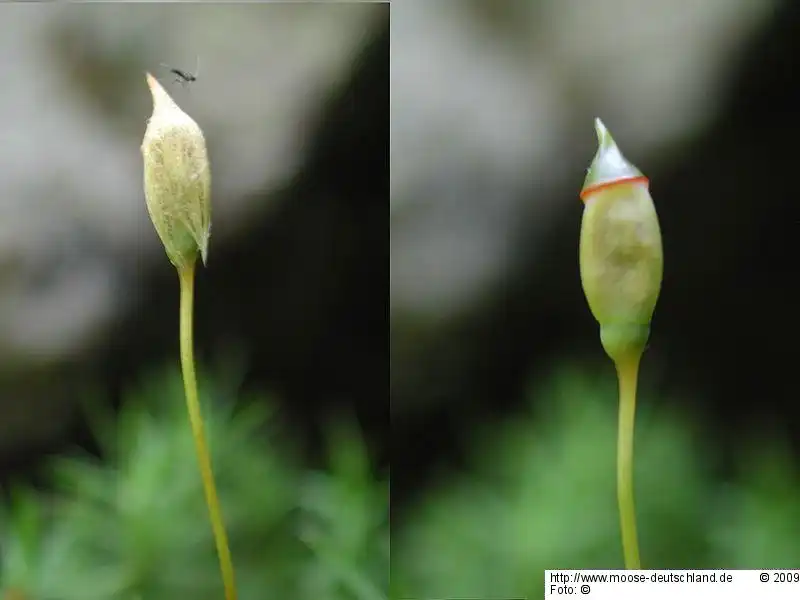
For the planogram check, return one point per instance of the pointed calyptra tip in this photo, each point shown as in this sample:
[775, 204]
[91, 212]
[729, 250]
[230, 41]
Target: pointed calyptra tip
[609, 165]
[160, 96]
[604, 139]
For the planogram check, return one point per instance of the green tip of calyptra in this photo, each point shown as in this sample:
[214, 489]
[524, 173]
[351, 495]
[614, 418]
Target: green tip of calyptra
[609, 165]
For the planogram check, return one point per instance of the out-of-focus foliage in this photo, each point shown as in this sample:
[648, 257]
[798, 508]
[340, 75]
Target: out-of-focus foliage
[758, 521]
[135, 526]
[349, 513]
[541, 495]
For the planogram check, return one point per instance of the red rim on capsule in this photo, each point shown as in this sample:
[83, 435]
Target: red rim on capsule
[609, 167]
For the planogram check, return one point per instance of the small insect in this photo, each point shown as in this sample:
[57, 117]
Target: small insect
[184, 77]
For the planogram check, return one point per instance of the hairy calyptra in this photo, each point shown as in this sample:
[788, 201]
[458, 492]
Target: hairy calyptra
[177, 179]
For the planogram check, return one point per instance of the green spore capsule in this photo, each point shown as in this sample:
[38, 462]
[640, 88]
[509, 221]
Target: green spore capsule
[621, 257]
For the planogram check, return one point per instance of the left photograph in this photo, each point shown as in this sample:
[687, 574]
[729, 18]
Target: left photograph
[194, 291]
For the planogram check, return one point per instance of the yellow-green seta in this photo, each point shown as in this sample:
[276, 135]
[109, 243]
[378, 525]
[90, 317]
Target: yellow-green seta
[621, 258]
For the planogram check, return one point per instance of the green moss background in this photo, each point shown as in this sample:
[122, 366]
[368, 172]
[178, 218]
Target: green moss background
[135, 526]
[538, 493]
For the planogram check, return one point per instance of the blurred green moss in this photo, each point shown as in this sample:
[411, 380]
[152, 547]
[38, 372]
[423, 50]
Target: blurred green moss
[540, 494]
[134, 526]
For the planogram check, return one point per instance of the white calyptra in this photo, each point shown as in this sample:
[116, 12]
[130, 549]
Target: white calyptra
[177, 179]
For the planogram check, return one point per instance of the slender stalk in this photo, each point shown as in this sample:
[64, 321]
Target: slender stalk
[186, 276]
[627, 373]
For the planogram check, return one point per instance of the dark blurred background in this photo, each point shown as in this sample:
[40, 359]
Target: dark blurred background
[294, 299]
[501, 393]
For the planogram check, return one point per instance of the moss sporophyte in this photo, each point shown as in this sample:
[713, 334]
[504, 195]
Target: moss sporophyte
[177, 185]
[621, 267]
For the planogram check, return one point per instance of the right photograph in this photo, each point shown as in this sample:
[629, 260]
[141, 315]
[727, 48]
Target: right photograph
[593, 286]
